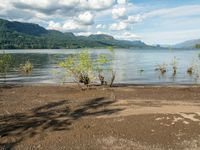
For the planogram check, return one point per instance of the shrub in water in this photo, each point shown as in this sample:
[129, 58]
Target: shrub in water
[5, 64]
[84, 69]
[27, 67]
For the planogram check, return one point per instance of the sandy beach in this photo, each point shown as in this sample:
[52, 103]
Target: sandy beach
[118, 118]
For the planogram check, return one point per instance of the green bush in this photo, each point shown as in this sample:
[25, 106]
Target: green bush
[85, 69]
[79, 67]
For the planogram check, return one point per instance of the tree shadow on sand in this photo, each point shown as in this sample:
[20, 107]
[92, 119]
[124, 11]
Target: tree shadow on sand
[54, 116]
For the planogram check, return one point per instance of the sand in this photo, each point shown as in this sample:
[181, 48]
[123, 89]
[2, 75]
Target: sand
[128, 117]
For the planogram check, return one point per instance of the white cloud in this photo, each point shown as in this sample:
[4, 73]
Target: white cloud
[83, 33]
[3, 4]
[4, 7]
[81, 4]
[118, 26]
[121, 1]
[127, 36]
[134, 19]
[41, 16]
[100, 26]
[68, 26]
[119, 13]
[69, 3]
[42, 4]
[81, 12]
[61, 8]
[90, 33]
[74, 26]
[97, 4]
[86, 18]
[54, 26]
[100, 32]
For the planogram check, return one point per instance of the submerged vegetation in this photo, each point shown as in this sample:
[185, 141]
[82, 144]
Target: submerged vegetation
[193, 70]
[101, 60]
[79, 67]
[84, 69]
[162, 68]
[27, 67]
[5, 65]
[197, 46]
[174, 65]
[190, 71]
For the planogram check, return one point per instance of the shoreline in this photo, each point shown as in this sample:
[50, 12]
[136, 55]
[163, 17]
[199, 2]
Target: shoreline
[117, 85]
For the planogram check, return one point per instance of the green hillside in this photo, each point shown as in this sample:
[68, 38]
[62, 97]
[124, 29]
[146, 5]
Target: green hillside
[17, 35]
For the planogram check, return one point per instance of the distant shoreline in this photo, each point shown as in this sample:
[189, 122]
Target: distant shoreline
[98, 48]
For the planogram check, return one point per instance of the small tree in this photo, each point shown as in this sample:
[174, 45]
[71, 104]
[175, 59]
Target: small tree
[101, 61]
[80, 67]
[5, 65]
[84, 69]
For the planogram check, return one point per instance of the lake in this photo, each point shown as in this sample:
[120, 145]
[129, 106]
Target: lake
[131, 66]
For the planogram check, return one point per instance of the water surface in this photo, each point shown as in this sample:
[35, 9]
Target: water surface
[127, 64]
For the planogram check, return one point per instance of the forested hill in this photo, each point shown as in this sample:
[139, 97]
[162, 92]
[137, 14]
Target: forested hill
[17, 35]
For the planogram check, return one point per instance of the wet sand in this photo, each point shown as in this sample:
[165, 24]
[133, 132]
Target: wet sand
[123, 117]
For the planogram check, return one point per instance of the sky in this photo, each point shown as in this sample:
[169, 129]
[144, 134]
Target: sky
[152, 21]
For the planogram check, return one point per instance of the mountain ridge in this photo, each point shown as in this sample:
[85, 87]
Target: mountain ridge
[188, 44]
[20, 35]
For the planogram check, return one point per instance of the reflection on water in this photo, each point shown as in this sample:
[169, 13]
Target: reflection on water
[132, 66]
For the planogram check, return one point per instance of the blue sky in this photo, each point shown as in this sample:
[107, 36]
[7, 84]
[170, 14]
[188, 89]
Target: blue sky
[152, 21]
